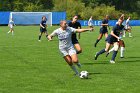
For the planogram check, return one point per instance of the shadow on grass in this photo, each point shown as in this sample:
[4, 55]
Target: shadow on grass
[133, 57]
[130, 61]
[105, 62]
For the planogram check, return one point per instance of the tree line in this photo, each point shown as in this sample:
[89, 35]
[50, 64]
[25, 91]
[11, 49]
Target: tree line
[84, 8]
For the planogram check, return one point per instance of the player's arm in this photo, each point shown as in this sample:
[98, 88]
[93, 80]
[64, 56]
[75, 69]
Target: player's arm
[51, 35]
[41, 25]
[112, 33]
[104, 24]
[83, 30]
[122, 17]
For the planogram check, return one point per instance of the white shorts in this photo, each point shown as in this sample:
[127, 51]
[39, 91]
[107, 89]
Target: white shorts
[90, 24]
[68, 51]
[11, 26]
[126, 27]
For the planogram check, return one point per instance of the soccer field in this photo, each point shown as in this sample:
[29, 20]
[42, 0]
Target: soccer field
[29, 66]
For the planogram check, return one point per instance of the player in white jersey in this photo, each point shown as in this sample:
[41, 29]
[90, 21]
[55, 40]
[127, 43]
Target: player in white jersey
[65, 43]
[11, 25]
[127, 27]
[90, 22]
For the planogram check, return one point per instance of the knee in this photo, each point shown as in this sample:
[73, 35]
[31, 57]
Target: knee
[74, 60]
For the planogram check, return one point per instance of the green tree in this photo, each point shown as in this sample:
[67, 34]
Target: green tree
[72, 7]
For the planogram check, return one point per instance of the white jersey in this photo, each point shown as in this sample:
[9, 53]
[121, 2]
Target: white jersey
[64, 37]
[90, 22]
[127, 24]
[11, 23]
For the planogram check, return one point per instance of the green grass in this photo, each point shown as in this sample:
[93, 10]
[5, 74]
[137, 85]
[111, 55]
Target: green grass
[29, 66]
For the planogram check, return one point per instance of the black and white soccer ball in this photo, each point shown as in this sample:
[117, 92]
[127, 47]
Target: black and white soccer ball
[84, 74]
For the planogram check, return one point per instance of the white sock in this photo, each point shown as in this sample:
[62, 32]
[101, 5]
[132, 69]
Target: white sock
[112, 49]
[78, 64]
[124, 34]
[129, 34]
[122, 52]
[74, 69]
[8, 31]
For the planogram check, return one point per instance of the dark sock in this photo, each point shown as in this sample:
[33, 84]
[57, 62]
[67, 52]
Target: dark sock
[39, 37]
[78, 52]
[96, 42]
[101, 52]
[114, 55]
[47, 36]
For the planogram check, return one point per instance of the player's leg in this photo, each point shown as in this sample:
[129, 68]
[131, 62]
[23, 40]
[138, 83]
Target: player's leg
[98, 39]
[40, 34]
[78, 48]
[90, 27]
[124, 32]
[103, 50]
[129, 30]
[75, 60]
[106, 34]
[111, 50]
[46, 33]
[122, 48]
[12, 30]
[74, 57]
[9, 31]
[76, 45]
[69, 61]
[116, 47]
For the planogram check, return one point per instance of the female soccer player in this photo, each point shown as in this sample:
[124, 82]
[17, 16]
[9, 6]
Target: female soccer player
[65, 44]
[90, 22]
[103, 30]
[127, 27]
[121, 42]
[43, 28]
[113, 38]
[11, 25]
[75, 25]
[121, 46]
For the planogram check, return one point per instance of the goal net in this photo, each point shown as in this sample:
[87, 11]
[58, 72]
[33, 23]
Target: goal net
[30, 18]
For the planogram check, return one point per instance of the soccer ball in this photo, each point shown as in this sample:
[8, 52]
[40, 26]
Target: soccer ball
[84, 74]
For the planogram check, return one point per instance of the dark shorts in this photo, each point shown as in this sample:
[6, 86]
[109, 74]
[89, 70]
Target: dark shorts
[74, 41]
[110, 39]
[103, 31]
[43, 30]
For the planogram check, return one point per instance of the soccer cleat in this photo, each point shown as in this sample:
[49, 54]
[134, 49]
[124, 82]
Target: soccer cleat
[121, 57]
[39, 40]
[96, 56]
[112, 61]
[107, 54]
